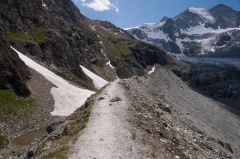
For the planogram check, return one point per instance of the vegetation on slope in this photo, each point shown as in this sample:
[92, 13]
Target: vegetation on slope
[3, 141]
[36, 35]
[11, 104]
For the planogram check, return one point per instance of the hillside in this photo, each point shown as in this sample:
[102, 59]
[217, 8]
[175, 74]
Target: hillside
[157, 116]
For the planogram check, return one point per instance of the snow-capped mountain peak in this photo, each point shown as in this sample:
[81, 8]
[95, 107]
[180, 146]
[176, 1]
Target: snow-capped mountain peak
[194, 32]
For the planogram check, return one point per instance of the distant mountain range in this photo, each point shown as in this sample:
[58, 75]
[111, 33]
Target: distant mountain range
[213, 32]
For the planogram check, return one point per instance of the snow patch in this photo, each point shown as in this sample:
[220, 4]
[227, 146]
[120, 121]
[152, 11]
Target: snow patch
[152, 70]
[213, 49]
[158, 35]
[207, 45]
[151, 26]
[66, 96]
[151, 30]
[43, 4]
[179, 43]
[201, 29]
[203, 13]
[97, 81]
[109, 64]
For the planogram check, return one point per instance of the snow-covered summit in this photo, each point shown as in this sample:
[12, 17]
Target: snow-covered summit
[194, 32]
[203, 13]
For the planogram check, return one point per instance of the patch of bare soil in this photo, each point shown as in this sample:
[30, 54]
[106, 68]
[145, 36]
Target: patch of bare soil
[40, 88]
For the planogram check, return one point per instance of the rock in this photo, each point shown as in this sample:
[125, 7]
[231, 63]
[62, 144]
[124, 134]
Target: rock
[93, 60]
[234, 94]
[159, 112]
[53, 127]
[31, 153]
[115, 99]
[83, 107]
[101, 98]
[228, 147]
[166, 108]
[13, 72]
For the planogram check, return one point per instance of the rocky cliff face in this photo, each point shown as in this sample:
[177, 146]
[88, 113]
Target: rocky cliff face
[195, 32]
[13, 72]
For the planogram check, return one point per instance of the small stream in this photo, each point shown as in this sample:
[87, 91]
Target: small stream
[28, 138]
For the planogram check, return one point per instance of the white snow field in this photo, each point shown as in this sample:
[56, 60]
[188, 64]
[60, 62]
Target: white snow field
[66, 96]
[97, 81]
[203, 13]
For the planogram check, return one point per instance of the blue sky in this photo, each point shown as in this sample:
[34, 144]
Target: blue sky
[131, 13]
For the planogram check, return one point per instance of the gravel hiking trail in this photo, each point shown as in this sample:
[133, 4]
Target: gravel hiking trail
[107, 134]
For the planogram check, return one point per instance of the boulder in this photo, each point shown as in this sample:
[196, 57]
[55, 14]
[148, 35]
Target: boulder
[115, 99]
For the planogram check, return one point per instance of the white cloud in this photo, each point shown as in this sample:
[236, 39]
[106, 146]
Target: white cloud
[99, 5]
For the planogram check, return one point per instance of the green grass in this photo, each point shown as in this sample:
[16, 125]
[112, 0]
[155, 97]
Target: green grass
[133, 135]
[80, 126]
[117, 48]
[3, 141]
[36, 35]
[10, 103]
[57, 155]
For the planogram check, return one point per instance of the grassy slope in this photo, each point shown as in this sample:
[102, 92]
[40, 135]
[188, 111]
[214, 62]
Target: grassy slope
[36, 35]
[11, 104]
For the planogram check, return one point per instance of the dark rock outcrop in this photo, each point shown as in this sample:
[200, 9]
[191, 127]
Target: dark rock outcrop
[13, 72]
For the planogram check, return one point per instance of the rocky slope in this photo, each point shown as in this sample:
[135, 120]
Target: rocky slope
[162, 89]
[156, 116]
[195, 32]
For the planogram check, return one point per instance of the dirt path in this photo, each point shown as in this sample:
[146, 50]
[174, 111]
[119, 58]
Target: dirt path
[107, 134]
